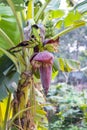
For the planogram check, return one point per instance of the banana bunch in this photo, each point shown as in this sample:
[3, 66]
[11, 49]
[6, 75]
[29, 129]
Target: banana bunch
[49, 29]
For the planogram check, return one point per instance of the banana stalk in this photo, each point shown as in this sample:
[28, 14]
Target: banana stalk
[21, 101]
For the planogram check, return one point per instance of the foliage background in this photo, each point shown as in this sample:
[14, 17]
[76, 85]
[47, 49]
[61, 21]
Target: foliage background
[11, 33]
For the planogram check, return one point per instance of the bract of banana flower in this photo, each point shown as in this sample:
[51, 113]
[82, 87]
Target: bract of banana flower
[54, 43]
[44, 61]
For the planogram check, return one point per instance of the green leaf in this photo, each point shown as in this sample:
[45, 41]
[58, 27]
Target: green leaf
[55, 65]
[55, 68]
[76, 24]
[18, 2]
[11, 80]
[71, 18]
[13, 58]
[3, 90]
[5, 63]
[8, 18]
[57, 13]
[73, 64]
[41, 112]
[81, 7]
[40, 11]
[19, 5]
[7, 81]
[8, 34]
[19, 8]
[5, 10]
[59, 24]
[11, 4]
[61, 63]
[54, 74]
[8, 41]
[53, 5]
[68, 65]
[41, 127]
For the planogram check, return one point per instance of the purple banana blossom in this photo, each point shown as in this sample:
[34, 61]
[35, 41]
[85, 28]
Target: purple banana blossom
[43, 61]
[29, 36]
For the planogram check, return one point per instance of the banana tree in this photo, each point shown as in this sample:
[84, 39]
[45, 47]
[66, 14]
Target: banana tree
[29, 40]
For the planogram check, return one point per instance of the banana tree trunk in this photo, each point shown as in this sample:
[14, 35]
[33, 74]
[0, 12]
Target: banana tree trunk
[24, 120]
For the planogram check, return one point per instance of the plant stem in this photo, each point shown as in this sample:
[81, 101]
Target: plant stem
[81, 23]
[7, 39]
[21, 111]
[20, 128]
[17, 18]
[7, 111]
[33, 101]
[40, 12]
